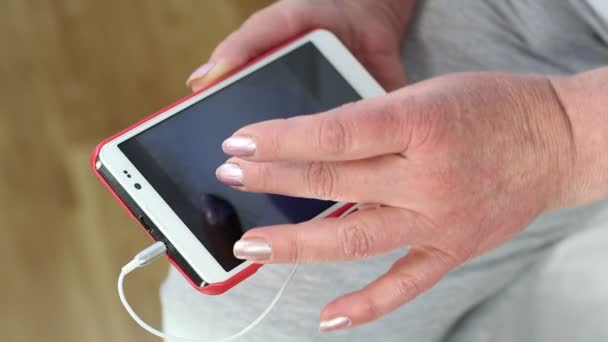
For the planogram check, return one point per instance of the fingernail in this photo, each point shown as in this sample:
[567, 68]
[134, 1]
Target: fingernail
[239, 146]
[252, 249]
[336, 323]
[230, 174]
[200, 72]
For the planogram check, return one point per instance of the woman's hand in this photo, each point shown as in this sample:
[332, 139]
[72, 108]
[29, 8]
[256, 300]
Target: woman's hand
[371, 29]
[460, 164]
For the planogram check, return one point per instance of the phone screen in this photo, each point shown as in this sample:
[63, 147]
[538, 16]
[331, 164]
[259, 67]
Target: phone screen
[179, 155]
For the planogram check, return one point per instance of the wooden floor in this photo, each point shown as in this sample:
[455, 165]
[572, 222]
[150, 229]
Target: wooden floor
[71, 73]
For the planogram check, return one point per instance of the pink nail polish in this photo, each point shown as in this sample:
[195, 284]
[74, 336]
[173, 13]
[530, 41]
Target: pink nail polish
[230, 174]
[336, 323]
[255, 249]
[200, 72]
[239, 146]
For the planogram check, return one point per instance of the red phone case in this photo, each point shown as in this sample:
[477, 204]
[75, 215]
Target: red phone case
[213, 288]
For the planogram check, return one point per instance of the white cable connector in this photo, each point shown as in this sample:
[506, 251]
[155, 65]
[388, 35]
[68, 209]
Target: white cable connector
[145, 257]
[157, 249]
[152, 253]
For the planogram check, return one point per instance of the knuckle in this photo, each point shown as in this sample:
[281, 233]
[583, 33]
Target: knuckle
[273, 140]
[370, 309]
[407, 286]
[295, 10]
[333, 137]
[320, 180]
[389, 114]
[356, 240]
[295, 15]
[426, 123]
[294, 249]
[446, 257]
[391, 119]
[260, 179]
[416, 221]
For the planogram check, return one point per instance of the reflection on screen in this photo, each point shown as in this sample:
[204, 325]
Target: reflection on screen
[179, 155]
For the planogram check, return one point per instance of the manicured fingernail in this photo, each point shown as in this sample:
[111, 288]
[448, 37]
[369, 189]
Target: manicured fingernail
[201, 72]
[239, 146]
[230, 174]
[335, 324]
[255, 249]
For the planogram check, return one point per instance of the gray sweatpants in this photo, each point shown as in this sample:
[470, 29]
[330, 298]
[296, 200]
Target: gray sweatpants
[487, 299]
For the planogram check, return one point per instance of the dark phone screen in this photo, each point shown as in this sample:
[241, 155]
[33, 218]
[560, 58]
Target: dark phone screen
[178, 156]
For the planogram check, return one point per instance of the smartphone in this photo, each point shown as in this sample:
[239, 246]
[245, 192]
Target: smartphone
[162, 169]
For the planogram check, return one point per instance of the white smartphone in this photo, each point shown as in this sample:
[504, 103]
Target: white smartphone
[162, 169]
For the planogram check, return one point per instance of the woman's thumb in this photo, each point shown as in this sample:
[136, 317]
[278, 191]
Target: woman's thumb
[261, 32]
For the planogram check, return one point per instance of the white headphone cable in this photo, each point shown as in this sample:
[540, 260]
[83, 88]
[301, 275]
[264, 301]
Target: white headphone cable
[152, 253]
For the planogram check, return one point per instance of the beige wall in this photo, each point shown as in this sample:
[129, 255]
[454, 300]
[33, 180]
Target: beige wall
[71, 73]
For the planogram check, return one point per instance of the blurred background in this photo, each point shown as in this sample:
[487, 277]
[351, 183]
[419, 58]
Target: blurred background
[73, 72]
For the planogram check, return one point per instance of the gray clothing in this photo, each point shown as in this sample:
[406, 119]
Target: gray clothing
[601, 8]
[484, 300]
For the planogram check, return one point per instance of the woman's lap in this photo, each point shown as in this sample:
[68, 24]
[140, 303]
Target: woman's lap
[446, 36]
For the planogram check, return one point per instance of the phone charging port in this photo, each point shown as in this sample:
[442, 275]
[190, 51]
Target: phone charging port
[145, 223]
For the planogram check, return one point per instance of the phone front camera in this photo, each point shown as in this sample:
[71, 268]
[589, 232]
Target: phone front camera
[137, 186]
